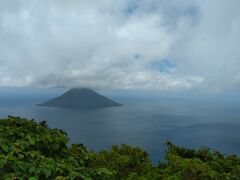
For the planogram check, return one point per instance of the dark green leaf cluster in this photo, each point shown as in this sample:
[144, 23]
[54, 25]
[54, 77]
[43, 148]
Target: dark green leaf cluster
[183, 163]
[31, 150]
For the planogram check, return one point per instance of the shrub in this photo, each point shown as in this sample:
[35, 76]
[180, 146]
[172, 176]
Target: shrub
[31, 150]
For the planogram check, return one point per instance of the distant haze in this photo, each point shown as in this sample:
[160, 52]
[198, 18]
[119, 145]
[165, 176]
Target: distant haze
[80, 98]
[167, 45]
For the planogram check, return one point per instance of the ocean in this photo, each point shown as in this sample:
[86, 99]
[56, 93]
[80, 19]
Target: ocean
[146, 121]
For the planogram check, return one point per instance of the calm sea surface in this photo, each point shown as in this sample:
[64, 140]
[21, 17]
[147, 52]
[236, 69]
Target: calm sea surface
[144, 122]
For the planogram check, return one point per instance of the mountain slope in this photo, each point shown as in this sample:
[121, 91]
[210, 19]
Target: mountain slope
[81, 98]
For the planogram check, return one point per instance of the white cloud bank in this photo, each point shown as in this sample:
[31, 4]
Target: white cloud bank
[154, 44]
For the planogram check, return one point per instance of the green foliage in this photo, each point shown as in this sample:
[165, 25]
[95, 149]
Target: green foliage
[126, 162]
[199, 164]
[31, 150]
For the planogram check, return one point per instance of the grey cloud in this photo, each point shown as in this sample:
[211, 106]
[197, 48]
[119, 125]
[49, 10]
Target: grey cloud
[95, 44]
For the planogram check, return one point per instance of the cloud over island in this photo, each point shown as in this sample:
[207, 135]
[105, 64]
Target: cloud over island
[127, 44]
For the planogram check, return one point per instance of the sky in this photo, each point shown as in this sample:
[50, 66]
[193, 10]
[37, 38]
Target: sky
[170, 45]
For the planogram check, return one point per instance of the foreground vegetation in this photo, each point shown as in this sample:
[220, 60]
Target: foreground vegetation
[31, 150]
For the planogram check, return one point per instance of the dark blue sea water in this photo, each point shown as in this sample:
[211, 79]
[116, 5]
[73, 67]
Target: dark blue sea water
[145, 121]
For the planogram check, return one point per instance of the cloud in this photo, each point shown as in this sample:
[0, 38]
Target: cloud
[211, 49]
[116, 44]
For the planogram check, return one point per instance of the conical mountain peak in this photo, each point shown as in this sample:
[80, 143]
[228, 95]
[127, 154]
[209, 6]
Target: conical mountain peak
[81, 98]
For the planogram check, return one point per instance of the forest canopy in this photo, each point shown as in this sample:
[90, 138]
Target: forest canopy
[31, 150]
